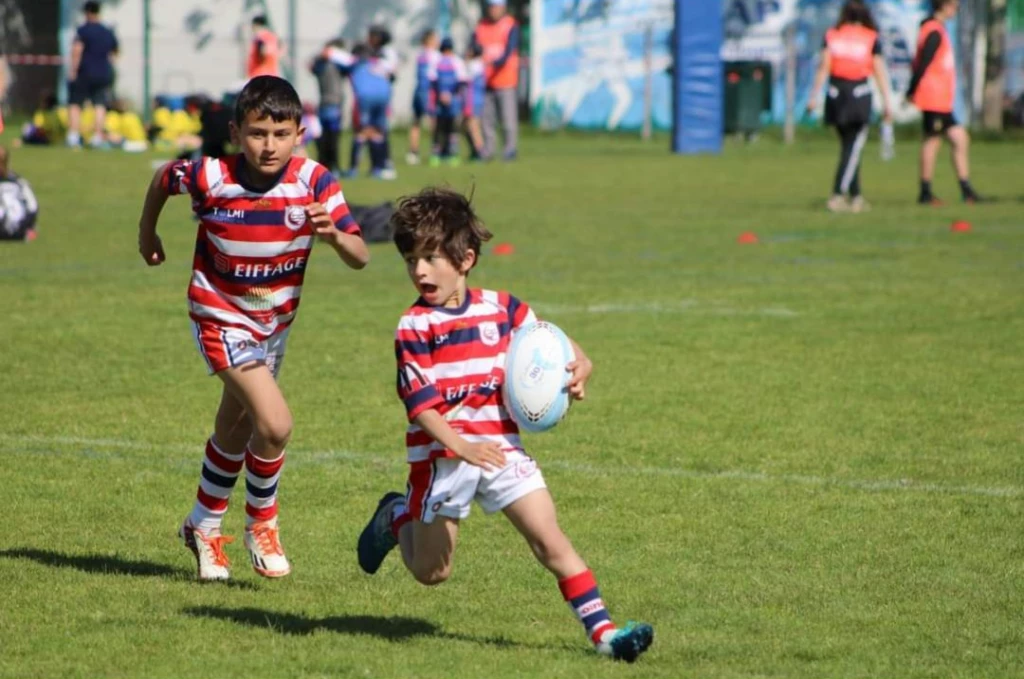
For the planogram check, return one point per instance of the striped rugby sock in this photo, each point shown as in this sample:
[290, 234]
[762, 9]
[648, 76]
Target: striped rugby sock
[261, 477]
[220, 471]
[581, 593]
[399, 517]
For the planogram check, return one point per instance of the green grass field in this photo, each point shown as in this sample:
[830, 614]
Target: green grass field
[797, 458]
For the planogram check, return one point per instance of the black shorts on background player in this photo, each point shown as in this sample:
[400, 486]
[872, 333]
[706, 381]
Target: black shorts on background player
[97, 92]
[933, 123]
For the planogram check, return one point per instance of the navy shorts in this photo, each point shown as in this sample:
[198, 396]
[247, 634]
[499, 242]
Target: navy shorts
[95, 91]
[419, 106]
[370, 114]
[330, 118]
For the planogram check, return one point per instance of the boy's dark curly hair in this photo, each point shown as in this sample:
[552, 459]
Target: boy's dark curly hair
[438, 219]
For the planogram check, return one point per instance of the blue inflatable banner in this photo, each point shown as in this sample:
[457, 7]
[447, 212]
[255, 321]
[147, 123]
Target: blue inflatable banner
[589, 55]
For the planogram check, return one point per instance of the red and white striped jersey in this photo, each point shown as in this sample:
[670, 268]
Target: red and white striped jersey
[252, 246]
[453, 360]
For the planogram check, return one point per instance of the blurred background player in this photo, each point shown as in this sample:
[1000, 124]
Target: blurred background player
[19, 208]
[473, 108]
[497, 34]
[90, 75]
[852, 52]
[462, 445]
[331, 82]
[259, 211]
[312, 130]
[384, 62]
[447, 86]
[426, 60]
[264, 50]
[371, 88]
[933, 90]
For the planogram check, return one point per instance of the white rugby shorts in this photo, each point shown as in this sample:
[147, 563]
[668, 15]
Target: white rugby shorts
[448, 486]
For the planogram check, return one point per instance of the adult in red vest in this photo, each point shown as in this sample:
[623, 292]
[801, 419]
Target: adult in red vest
[264, 50]
[497, 35]
[850, 55]
[933, 90]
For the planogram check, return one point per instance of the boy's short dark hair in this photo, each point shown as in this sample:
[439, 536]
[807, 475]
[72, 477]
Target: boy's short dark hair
[91, 7]
[269, 96]
[427, 35]
[260, 20]
[438, 219]
[937, 5]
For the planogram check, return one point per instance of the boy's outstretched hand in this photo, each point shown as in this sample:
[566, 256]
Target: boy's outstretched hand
[321, 222]
[580, 369]
[151, 249]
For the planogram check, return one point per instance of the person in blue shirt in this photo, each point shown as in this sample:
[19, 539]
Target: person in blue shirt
[371, 88]
[425, 62]
[385, 63]
[90, 74]
[447, 87]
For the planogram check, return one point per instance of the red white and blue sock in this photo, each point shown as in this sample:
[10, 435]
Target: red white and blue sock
[261, 477]
[581, 593]
[399, 517]
[220, 471]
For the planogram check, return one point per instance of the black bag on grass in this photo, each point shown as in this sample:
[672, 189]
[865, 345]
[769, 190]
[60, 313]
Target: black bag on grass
[374, 220]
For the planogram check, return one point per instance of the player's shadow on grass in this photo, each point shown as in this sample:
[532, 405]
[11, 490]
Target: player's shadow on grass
[103, 564]
[395, 628]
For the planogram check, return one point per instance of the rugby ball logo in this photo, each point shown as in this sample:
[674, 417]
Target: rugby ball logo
[534, 391]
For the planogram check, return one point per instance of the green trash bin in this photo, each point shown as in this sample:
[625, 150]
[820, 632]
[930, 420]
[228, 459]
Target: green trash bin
[748, 94]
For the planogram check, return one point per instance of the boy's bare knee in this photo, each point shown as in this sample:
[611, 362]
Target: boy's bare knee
[548, 548]
[276, 431]
[232, 421]
[431, 575]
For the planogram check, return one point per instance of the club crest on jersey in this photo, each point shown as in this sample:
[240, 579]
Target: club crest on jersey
[489, 334]
[295, 217]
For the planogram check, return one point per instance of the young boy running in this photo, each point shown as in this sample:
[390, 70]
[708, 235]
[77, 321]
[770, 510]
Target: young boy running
[258, 212]
[462, 444]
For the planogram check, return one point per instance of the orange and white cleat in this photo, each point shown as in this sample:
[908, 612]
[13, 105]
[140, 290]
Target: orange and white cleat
[264, 545]
[208, 549]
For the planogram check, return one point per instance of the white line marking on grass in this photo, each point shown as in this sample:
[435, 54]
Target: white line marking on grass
[683, 306]
[299, 457]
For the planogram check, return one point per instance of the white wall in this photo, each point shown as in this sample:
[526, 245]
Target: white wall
[200, 45]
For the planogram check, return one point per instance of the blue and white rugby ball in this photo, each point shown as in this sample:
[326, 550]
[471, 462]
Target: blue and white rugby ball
[535, 391]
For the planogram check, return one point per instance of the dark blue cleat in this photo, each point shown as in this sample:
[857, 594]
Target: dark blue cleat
[376, 540]
[629, 642]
